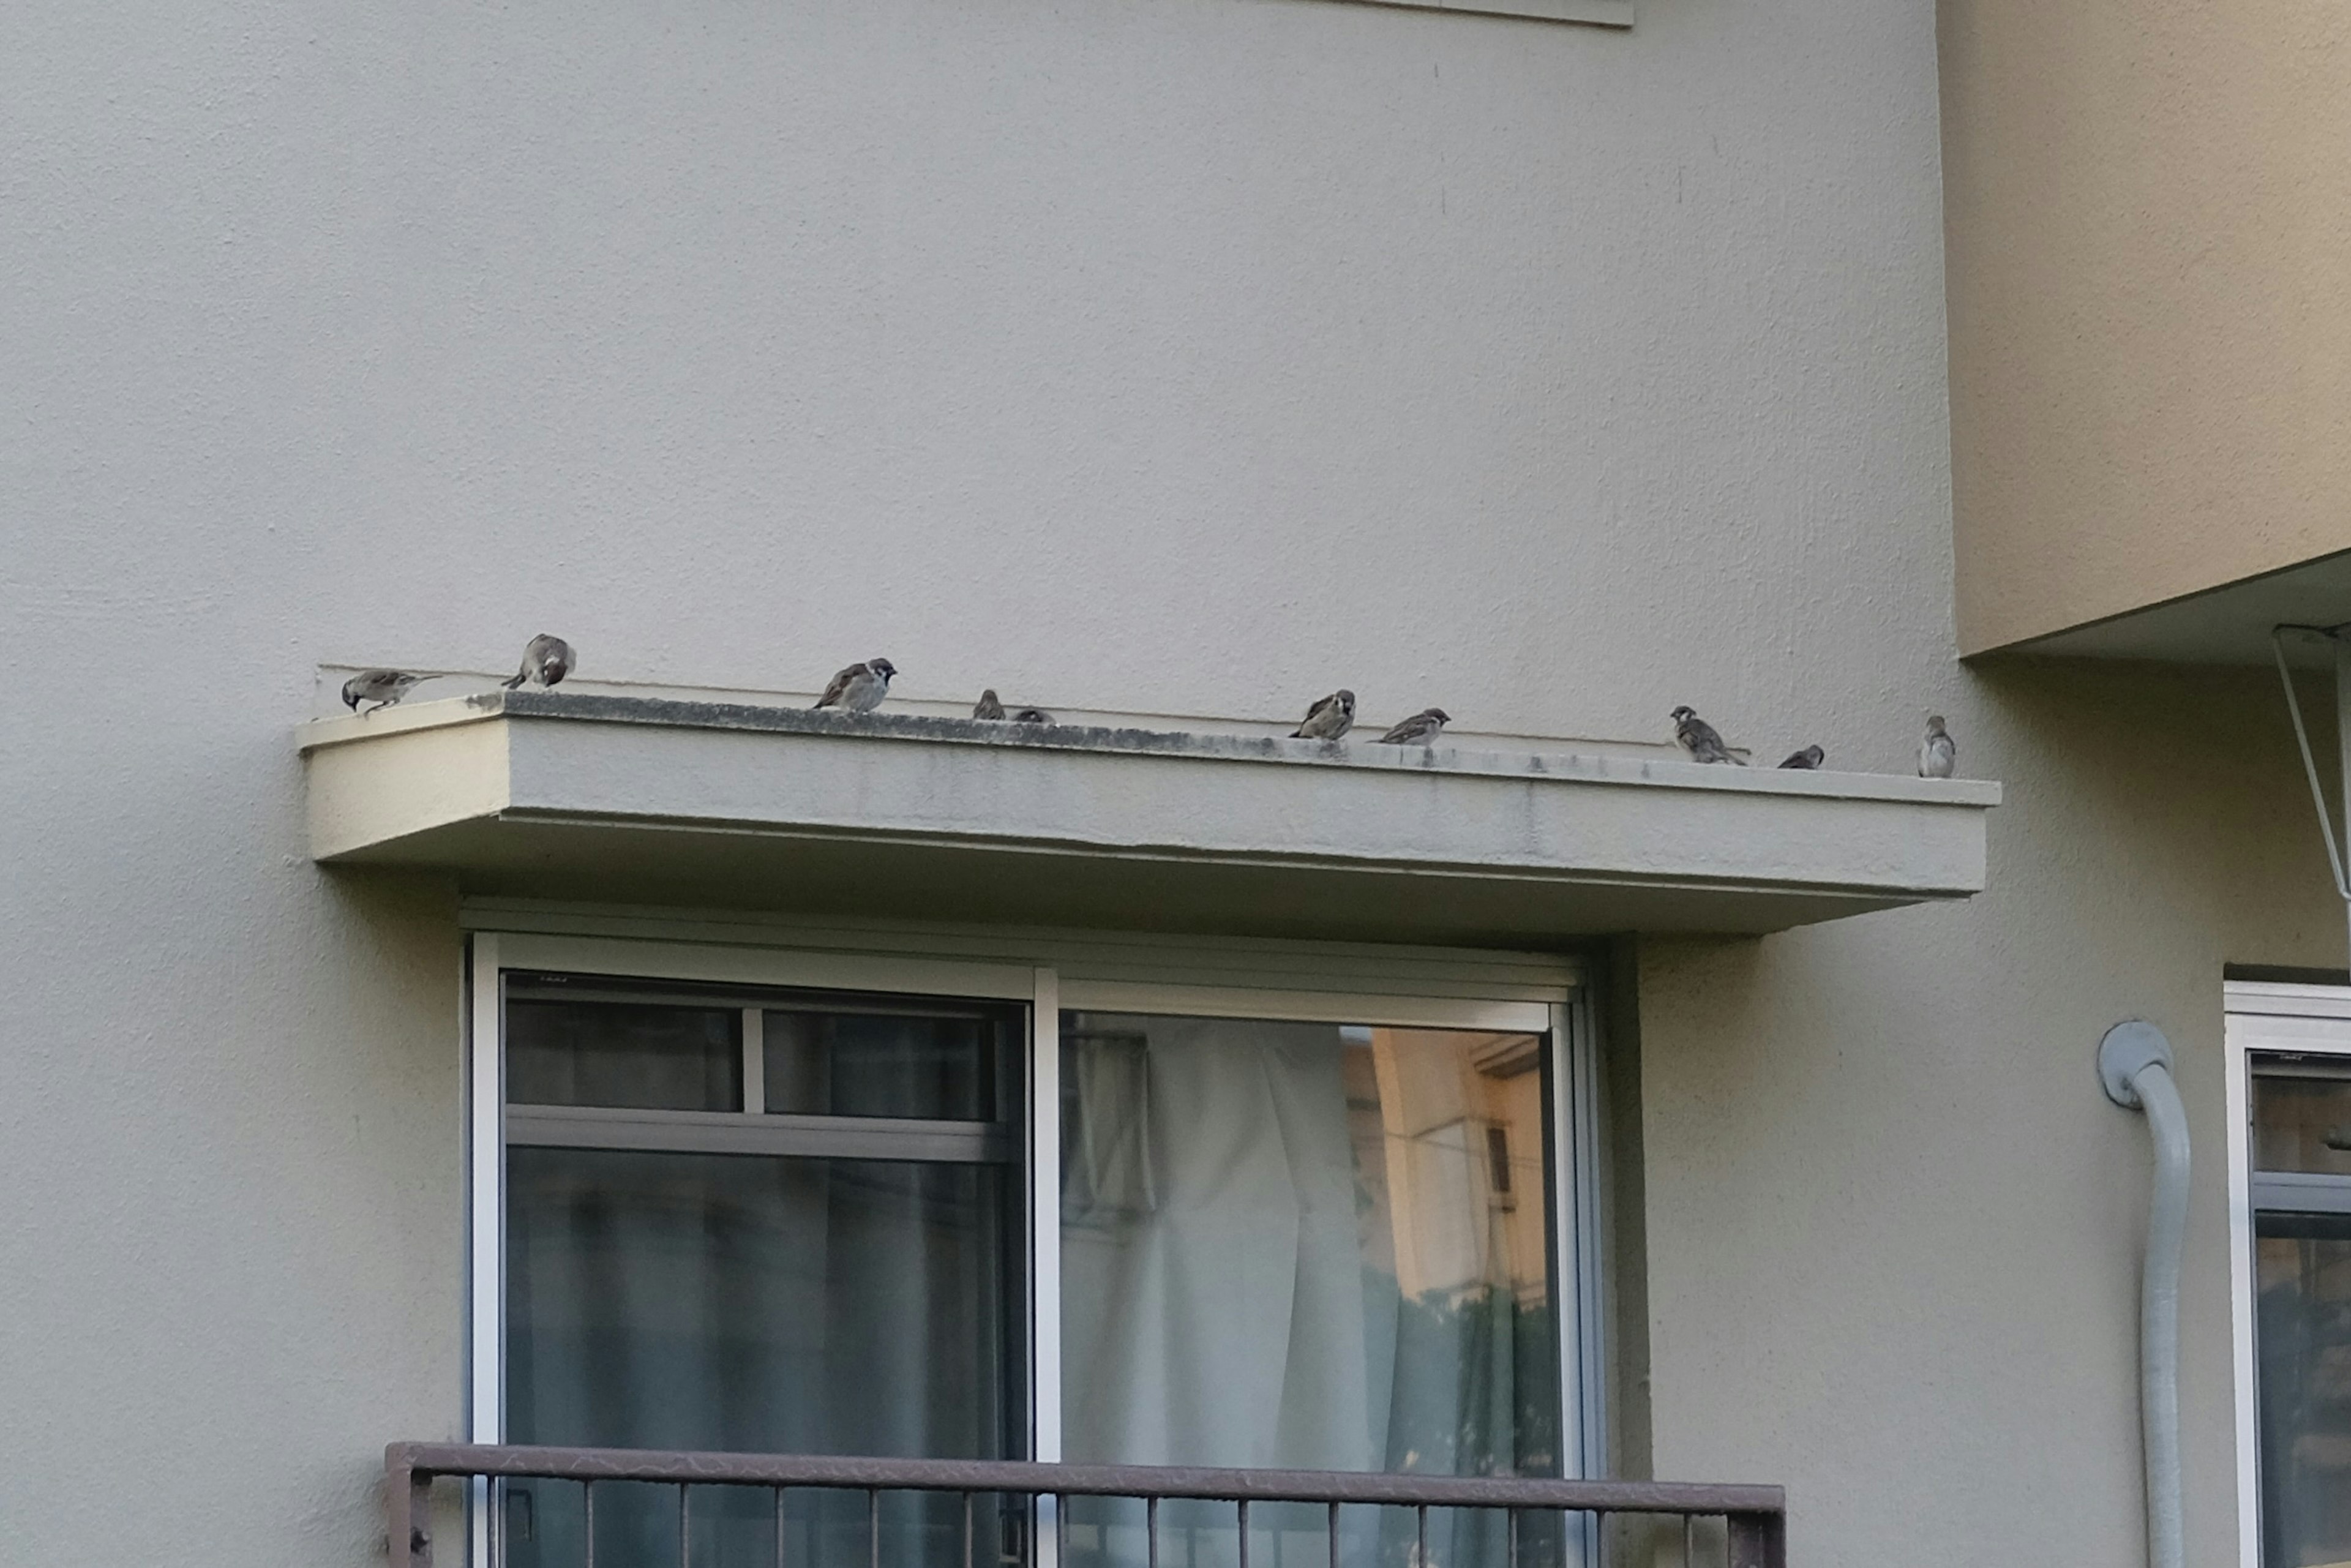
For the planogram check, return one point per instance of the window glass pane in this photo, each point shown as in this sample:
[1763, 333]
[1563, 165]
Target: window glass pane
[942, 1067]
[2303, 1337]
[1311, 1246]
[756, 1303]
[2302, 1125]
[642, 1056]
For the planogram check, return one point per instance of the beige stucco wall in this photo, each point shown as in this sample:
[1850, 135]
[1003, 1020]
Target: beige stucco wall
[1179, 356]
[2148, 216]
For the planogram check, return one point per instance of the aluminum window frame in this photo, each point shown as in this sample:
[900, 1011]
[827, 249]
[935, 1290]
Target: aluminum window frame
[1565, 1018]
[2260, 1018]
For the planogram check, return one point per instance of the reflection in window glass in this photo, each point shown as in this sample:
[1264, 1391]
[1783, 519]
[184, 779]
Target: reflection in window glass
[1306, 1246]
[767, 1305]
[2302, 1125]
[940, 1068]
[839, 1286]
[640, 1056]
[2303, 1342]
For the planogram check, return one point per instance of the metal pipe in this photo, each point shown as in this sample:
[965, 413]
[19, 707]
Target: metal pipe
[2135, 1067]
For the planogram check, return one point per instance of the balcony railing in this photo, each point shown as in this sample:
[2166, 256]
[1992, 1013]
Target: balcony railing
[1541, 1523]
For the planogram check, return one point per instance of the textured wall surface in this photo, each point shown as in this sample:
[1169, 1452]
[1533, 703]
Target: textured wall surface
[2149, 210]
[1179, 356]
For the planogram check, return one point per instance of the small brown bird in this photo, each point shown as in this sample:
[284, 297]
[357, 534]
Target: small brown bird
[1032, 715]
[1938, 754]
[546, 660]
[1420, 729]
[861, 688]
[988, 705]
[1699, 738]
[1810, 757]
[1329, 719]
[381, 688]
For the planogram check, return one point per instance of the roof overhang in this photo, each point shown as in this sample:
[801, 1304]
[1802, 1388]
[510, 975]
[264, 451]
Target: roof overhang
[642, 800]
[2228, 625]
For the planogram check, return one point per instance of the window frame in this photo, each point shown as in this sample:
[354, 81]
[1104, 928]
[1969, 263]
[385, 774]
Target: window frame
[2260, 1018]
[1566, 1017]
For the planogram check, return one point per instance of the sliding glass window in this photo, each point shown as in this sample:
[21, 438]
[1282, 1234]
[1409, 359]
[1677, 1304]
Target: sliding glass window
[1307, 1246]
[775, 1219]
[756, 1221]
[2302, 1321]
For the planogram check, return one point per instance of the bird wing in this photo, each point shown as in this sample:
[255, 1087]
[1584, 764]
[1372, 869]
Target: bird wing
[840, 686]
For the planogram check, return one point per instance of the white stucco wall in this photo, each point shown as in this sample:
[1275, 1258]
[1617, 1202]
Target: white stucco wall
[1154, 355]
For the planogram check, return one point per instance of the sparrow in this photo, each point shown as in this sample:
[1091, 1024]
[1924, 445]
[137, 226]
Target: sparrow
[1420, 729]
[987, 706]
[861, 688]
[1328, 719]
[1810, 757]
[381, 688]
[1699, 738]
[546, 660]
[1032, 715]
[1938, 755]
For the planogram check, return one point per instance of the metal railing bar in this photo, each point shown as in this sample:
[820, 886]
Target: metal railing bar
[1420, 1537]
[1334, 1538]
[1029, 1477]
[966, 1530]
[588, 1521]
[1241, 1508]
[873, 1526]
[1509, 1540]
[1151, 1533]
[779, 1527]
[685, 1527]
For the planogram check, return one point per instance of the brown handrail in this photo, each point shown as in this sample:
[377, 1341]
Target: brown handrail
[1756, 1515]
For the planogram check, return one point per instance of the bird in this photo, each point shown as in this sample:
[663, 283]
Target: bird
[861, 688]
[1420, 729]
[1329, 719]
[381, 688]
[988, 705]
[546, 660]
[1032, 715]
[1699, 738]
[1810, 757]
[1938, 754]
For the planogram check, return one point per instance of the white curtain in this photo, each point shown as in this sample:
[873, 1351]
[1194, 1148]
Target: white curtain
[1231, 1293]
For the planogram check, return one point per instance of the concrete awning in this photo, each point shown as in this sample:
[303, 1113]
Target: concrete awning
[570, 795]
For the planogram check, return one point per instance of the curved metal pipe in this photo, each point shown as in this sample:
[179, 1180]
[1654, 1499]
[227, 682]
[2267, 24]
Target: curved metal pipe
[2135, 1066]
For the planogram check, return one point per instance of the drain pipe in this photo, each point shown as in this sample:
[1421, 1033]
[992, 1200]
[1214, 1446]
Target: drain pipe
[2135, 1066]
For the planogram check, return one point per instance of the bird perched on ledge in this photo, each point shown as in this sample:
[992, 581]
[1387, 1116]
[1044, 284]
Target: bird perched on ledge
[381, 688]
[546, 660]
[1329, 719]
[991, 707]
[1938, 754]
[1420, 729]
[1699, 738]
[859, 688]
[1809, 758]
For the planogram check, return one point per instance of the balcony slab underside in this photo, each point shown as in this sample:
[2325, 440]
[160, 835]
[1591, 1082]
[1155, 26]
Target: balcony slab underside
[640, 800]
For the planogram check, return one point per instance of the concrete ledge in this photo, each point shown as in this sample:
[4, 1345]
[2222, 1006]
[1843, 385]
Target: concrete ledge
[555, 794]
